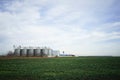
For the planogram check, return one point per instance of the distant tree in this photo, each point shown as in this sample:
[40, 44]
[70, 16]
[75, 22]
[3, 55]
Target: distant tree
[73, 55]
[56, 56]
[10, 53]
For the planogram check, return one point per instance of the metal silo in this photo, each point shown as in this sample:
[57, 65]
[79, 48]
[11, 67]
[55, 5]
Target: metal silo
[17, 52]
[30, 52]
[46, 51]
[23, 52]
[52, 53]
[43, 52]
[49, 52]
[36, 52]
[20, 52]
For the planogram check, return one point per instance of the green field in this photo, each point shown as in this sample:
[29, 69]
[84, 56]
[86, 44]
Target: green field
[71, 68]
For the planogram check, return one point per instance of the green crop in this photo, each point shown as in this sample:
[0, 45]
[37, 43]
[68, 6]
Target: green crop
[72, 68]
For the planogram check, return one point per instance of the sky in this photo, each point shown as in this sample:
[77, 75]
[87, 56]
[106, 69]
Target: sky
[80, 27]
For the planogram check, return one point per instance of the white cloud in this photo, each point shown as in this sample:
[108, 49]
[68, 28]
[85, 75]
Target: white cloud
[74, 26]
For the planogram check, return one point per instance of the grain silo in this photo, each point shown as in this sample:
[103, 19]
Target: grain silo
[23, 51]
[30, 52]
[46, 51]
[37, 52]
[17, 52]
[49, 52]
[43, 52]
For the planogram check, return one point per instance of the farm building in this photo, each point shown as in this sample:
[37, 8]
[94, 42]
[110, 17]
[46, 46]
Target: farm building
[36, 51]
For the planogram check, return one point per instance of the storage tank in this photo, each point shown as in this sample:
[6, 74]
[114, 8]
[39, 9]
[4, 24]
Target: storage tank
[52, 53]
[30, 52]
[23, 52]
[46, 51]
[43, 52]
[36, 52]
[17, 52]
[49, 52]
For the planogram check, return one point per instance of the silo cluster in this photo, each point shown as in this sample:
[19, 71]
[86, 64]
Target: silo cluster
[36, 51]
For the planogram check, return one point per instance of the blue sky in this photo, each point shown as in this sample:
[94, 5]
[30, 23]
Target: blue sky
[80, 27]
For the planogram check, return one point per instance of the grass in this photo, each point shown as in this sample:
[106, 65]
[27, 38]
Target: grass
[71, 68]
